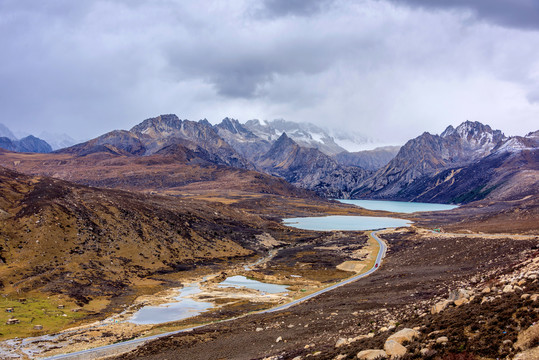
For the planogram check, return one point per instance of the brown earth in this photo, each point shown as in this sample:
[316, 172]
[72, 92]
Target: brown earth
[418, 270]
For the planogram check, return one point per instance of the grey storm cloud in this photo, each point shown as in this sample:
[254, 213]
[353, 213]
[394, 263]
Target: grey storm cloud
[293, 7]
[513, 13]
[90, 66]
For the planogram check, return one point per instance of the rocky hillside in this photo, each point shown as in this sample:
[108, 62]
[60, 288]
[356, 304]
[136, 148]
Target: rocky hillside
[311, 169]
[59, 237]
[368, 159]
[153, 134]
[460, 165]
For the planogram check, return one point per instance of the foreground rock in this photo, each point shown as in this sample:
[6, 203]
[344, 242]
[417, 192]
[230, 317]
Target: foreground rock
[371, 354]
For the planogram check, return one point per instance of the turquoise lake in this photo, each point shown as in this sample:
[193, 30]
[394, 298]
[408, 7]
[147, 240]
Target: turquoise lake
[399, 206]
[347, 223]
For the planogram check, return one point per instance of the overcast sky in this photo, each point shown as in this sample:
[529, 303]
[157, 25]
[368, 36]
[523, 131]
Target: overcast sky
[389, 69]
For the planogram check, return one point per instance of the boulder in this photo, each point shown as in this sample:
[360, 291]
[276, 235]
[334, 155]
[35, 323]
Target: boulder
[442, 340]
[341, 342]
[371, 354]
[394, 349]
[279, 339]
[526, 338]
[440, 306]
[507, 289]
[534, 297]
[459, 294]
[460, 302]
[486, 290]
[403, 335]
[38, 327]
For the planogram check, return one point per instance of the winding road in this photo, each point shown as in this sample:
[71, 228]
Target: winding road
[122, 347]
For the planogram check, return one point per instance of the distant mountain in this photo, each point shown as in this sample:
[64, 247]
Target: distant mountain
[243, 140]
[154, 134]
[58, 141]
[5, 132]
[311, 169]
[29, 144]
[368, 159]
[462, 164]
[304, 134]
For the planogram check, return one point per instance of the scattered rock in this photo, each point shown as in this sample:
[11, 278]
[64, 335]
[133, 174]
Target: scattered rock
[440, 306]
[280, 338]
[258, 329]
[404, 335]
[442, 340]
[394, 349]
[459, 294]
[460, 302]
[425, 352]
[507, 289]
[341, 342]
[531, 354]
[339, 357]
[371, 354]
[527, 338]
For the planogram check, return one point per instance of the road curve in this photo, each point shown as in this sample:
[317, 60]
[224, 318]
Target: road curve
[122, 347]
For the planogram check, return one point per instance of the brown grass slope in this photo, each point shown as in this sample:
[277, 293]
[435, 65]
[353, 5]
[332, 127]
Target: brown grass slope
[85, 242]
[175, 170]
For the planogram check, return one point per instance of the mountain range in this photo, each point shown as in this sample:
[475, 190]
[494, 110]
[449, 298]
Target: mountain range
[429, 168]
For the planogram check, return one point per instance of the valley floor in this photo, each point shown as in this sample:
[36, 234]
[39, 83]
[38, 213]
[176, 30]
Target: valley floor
[420, 270]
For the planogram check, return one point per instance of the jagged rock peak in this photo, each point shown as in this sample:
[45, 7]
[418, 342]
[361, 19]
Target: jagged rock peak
[233, 126]
[161, 123]
[473, 130]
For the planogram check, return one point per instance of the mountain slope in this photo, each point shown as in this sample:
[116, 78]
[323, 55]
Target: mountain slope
[368, 159]
[310, 169]
[244, 141]
[428, 154]
[156, 133]
[469, 163]
[60, 237]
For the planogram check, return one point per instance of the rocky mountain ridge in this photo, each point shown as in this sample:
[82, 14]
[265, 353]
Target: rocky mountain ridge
[445, 168]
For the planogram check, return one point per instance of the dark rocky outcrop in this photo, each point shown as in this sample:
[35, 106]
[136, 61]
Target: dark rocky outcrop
[310, 169]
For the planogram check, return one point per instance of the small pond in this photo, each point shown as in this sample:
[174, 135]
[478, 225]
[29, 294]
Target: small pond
[242, 281]
[182, 309]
